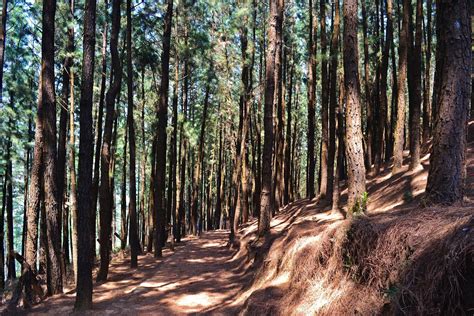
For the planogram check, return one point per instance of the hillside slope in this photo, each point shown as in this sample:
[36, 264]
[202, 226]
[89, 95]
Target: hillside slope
[399, 258]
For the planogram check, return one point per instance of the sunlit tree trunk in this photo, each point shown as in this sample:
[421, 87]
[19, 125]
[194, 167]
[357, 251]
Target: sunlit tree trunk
[354, 147]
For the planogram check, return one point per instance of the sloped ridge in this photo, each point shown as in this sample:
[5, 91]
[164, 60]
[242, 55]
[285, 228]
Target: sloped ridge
[416, 262]
[400, 258]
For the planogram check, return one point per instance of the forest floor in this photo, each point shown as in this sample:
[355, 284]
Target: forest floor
[303, 267]
[199, 276]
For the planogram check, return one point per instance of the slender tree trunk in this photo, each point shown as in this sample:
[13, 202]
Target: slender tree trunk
[72, 176]
[333, 106]
[35, 193]
[427, 86]
[3, 35]
[105, 194]
[9, 209]
[219, 193]
[86, 214]
[275, 26]
[402, 77]
[2, 233]
[134, 241]
[311, 161]
[183, 144]
[326, 160]
[54, 278]
[162, 114]
[414, 86]
[447, 162]
[27, 185]
[369, 112]
[98, 143]
[172, 187]
[382, 125]
[200, 156]
[143, 161]
[336, 207]
[123, 193]
[287, 172]
[354, 147]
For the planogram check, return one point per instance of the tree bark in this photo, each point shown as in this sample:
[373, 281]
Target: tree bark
[369, 110]
[414, 86]
[382, 125]
[72, 176]
[105, 194]
[162, 114]
[199, 160]
[86, 214]
[9, 209]
[123, 194]
[275, 26]
[402, 77]
[354, 147]
[327, 161]
[311, 161]
[333, 106]
[98, 142]
[132, 206]
[447, 162]
[3, 35]
[54, 277]
[427, 86]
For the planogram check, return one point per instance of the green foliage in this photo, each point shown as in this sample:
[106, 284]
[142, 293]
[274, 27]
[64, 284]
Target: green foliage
[360, 206]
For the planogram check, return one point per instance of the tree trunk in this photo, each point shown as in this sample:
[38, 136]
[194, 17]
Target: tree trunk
[427, 87]
[54, 278]
[327, 161]
[311, 161]
[72, 176]
[287, 168]
[200, 156]
[2, 232]
[275, 27]
[369, 110]
[86, 214]
[447, 163]
[172, 187]
[105, 194]
[382, 125]
[143, 162]
[332, 87]
[414, 82]
[402, 77]
[9, 209]
[123, 194]
[98, 143]
[354, 147]
[134, 241]
[162, 114]
[3, 34]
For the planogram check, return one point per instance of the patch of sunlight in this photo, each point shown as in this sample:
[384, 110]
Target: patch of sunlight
[195, 300]
[130, 290]
[304, 242]
[319, 295]
[211, 245]
[195, 260]
[152, 284]
[281, 279]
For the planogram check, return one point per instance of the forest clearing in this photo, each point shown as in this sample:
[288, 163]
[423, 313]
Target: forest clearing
[236, 157]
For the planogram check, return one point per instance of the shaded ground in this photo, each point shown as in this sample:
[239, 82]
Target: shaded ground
[199, 276]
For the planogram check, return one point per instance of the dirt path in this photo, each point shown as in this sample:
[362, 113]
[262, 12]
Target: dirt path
[199, 277]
